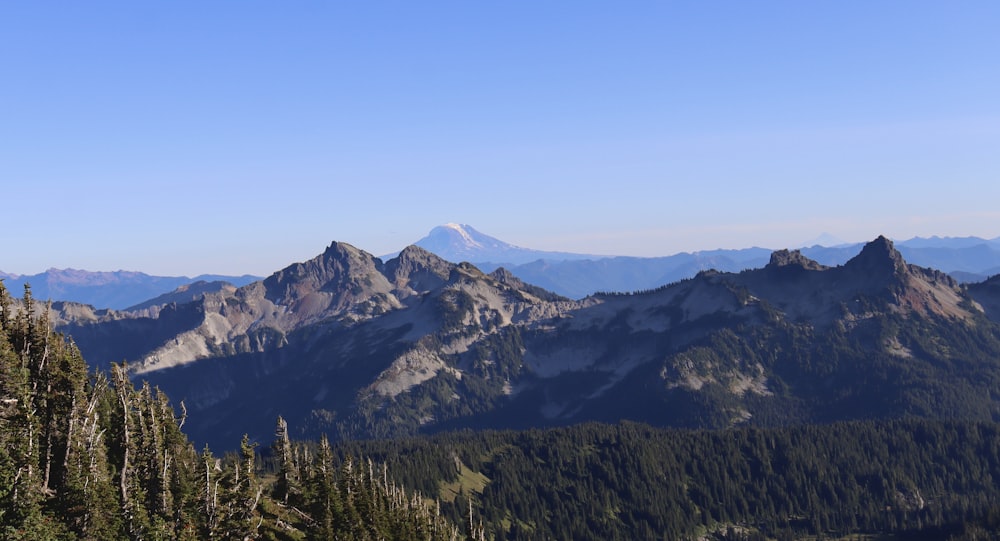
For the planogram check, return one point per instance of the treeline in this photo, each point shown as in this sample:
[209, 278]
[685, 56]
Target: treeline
[914, 479]
[89, 456]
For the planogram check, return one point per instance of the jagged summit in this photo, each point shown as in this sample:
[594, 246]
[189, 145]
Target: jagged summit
[881, 245]
[417, 269]
[879, 258]
[881, 270]
[342, 274]
[793, 258]
[414, 254]
[808, 291]
[504, 276]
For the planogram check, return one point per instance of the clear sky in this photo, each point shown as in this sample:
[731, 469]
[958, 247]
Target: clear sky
[190, 137]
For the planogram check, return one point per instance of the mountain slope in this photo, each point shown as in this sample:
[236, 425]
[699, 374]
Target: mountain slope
[185, 293]
[351, 346]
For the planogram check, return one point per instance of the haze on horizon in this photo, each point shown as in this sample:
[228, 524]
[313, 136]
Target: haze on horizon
[233, 138]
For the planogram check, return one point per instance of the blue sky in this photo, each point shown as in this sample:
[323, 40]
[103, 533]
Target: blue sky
[181, 138]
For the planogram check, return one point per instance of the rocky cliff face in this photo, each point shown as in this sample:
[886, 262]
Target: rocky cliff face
[351, 346]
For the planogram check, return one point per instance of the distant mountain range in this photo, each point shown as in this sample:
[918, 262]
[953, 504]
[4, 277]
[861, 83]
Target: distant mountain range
[117, 290]
[351, 346]
[968, 259]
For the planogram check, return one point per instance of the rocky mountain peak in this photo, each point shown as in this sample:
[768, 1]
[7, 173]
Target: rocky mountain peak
[417, 269]
[879, 258]
[341, 251]
[881, 244]
[793, 258]
[342, 270]
[416, 256]
[880, 268]
[504, 276]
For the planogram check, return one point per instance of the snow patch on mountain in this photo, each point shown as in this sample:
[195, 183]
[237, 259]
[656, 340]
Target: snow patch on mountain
[464, 235]
[461, 242]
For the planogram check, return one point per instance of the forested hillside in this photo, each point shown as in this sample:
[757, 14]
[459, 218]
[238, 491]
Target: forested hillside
[88, 456]
[913, 479]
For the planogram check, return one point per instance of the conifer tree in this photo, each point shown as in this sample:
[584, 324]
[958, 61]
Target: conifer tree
[211, 512]
[31, 424]
[132, 493]
[86, 499]
[22, 498]
[17, 486]
[322, 497]
[5, 308]
[243, 494]
[288, 481]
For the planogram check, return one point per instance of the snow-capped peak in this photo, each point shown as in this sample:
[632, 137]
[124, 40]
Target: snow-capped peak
[459, 242]
[466, 237]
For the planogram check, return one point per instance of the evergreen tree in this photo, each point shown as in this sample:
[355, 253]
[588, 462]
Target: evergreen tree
[242, 496]
[288, 481]
[87, 500]
[323, 501]
[131, 470]
[211, 512]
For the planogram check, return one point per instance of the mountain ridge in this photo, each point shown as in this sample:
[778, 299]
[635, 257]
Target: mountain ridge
[970, 259]
[356, 347]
